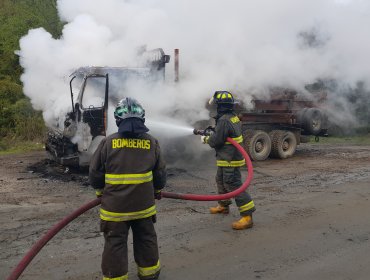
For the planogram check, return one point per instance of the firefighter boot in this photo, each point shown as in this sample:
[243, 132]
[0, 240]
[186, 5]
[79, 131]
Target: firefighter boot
[219, 209]
[244, 223]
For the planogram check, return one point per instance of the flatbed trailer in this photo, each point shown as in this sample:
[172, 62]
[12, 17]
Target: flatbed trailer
[275, 127]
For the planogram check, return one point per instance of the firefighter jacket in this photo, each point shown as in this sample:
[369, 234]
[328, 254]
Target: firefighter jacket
[228, 125]
[127, 171]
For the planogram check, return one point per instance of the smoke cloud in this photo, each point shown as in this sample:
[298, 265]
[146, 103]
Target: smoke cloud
[243, 46]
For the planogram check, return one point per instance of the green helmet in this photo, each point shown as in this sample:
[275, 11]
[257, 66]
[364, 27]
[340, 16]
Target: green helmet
[129, 108]
[222, 98]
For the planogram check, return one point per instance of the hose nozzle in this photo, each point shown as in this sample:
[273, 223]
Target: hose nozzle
[198, 131]
[204, 132]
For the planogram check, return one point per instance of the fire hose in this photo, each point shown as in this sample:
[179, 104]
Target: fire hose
[18, 270]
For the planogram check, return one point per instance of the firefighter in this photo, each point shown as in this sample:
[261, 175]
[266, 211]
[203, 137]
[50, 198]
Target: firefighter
[229, 159]
[128, 172]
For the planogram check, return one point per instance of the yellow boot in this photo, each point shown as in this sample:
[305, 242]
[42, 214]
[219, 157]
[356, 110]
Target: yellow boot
[219, 209]
[244, 223]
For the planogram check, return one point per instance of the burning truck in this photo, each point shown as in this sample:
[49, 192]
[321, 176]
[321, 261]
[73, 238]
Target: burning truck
[85, 125]
[273, 128]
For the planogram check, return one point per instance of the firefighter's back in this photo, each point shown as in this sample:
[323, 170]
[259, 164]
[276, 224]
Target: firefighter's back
[129, 177]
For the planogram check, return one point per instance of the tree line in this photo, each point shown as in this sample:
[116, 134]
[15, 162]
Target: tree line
[18, 121]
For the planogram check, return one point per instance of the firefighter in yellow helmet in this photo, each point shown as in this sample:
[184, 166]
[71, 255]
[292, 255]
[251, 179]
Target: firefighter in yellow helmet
[229, 159]
[128, 172]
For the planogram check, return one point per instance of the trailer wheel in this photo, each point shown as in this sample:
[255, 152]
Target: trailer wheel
[257, 144]
[284, 144]
[312, 121]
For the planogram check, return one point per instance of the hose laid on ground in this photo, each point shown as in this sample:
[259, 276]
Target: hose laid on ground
[66, 220]
[49, 235]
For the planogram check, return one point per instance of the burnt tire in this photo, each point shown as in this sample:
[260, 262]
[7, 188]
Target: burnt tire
[312, 121]
[283, 144]
[257, 144]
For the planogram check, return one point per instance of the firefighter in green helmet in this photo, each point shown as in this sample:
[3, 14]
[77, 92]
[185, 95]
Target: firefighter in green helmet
[128, 172]
[229, 159]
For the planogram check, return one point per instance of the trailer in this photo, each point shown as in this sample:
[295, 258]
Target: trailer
[277, 125]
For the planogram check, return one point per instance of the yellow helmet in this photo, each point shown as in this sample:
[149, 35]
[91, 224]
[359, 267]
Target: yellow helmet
[222, 97]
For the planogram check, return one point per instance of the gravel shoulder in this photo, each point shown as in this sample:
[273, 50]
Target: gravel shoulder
[312, 220]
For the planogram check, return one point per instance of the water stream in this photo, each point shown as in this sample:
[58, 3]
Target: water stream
[161, 127]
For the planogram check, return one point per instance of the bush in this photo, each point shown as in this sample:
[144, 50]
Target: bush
[29, 124]
[18, 121]
[10, 93]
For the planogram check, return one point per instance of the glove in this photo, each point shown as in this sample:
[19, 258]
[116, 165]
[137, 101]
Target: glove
[98, 193]
[158, 195]
[204, 139]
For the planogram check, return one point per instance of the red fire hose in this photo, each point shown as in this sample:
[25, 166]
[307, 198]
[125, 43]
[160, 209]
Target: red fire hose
[66, 220]
[207, 197]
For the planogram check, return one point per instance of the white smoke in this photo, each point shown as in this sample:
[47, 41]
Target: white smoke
[238, 45]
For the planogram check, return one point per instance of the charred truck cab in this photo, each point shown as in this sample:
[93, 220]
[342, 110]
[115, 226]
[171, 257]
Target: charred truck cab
[86, 124]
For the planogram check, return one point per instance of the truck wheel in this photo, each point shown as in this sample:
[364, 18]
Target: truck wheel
[284, 144]
[257, 144]
[312, 121]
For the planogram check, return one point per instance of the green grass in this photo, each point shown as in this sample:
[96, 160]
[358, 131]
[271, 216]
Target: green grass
[20, 147]
[357, 140]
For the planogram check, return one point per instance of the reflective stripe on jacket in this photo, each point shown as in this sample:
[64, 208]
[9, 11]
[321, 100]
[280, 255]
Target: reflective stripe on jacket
[236, 139]
[126, 179]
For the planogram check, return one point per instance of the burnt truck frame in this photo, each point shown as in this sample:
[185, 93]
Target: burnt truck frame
[275, 127]
[86, 124]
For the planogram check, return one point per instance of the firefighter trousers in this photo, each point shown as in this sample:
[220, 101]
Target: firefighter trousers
[228, 179]
[115, 260]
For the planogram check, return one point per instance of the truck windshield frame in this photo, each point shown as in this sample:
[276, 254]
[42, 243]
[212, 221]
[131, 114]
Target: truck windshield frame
[88, 94]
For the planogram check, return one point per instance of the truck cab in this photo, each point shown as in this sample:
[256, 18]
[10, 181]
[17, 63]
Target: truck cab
[92, 89]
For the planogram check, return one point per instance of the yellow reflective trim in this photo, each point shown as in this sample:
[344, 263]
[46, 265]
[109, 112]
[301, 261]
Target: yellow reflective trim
[124, 277]
[121, 217]
[98, 192]
[246, 207]
[117, 214]
[229, 95]
[218, 95]
[147, 271]
[233, 163]
[235, 119]
[128, 175]
[122, 179]
[236, 139]
[127, 182]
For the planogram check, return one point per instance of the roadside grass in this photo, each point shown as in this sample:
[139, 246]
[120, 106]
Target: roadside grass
[357, 140]
[18, 147]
